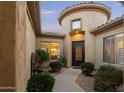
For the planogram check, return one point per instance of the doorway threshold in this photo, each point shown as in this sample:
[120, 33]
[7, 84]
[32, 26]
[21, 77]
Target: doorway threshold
[76, 67]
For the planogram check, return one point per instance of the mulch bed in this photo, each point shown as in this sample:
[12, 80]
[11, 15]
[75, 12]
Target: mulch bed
[87, 82]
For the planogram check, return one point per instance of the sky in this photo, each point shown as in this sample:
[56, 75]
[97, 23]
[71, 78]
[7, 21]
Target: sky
[50, 11]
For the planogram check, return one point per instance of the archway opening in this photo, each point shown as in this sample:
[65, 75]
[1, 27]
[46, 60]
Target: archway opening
[78, 47]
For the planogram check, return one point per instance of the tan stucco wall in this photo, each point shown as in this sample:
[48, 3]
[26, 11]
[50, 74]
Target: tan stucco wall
[20, 53]
[30, 46]
[25, 45]
[90, 20]
[48, 39]
[18, 41]
[7, 40]
[99, 46]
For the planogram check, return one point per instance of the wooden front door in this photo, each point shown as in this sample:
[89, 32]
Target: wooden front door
[78, 53]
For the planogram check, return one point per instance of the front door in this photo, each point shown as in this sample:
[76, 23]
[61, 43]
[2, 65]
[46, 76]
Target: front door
[78, 53]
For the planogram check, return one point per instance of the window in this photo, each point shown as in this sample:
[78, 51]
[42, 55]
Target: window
[76, 24]
[114, 49]
[52, 48]
[78, 53]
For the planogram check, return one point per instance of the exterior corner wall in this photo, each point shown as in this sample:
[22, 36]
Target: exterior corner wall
[20, 53]
[68, 50]
[7, 47]
[99, 47]
[89, 47]
[25, 45]
[30, 47]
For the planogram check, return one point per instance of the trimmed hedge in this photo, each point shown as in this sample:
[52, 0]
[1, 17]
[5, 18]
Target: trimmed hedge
[87, 68]
[56, 66]
[40, 83]
[108, 79]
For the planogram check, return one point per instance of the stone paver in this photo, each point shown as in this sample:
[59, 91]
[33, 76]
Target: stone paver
[65, 82]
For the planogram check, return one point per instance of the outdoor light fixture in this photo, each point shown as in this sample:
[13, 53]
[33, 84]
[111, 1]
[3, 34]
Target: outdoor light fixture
[53, 49]
[77, 32]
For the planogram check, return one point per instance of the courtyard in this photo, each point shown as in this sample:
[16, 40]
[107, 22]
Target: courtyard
[65, 82]
[56, 46]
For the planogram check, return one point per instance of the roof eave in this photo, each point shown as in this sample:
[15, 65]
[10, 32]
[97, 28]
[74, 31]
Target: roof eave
[108, 26]
[52, 35]
[33, 7]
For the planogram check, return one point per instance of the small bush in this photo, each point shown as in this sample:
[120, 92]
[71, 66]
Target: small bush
[40, 83]
[56, 66]
[42, 54]
[87, 68]
[108, 79]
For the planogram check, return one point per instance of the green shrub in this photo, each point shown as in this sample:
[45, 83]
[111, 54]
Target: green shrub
[40, 83]
[62, 60]
[108, 79]
[87, 68]
[56, 66]
[42, 54]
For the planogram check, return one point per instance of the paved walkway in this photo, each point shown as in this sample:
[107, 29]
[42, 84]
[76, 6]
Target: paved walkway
[65, 82]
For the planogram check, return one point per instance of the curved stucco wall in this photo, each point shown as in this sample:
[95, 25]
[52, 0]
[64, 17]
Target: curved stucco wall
[90, 20]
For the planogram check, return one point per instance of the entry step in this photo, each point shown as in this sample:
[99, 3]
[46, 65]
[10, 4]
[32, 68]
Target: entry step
[76, 67]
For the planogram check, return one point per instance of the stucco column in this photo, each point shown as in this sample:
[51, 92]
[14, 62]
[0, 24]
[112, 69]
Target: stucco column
[89, 47]
[68, 49]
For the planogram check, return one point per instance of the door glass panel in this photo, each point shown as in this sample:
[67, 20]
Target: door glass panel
[78, 53]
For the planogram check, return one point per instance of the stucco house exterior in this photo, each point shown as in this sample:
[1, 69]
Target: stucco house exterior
[89, 36]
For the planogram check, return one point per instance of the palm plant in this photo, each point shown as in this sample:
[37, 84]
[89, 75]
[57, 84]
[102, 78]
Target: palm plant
[63, 60]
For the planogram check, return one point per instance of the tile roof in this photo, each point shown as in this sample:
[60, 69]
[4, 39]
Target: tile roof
[91, 2]
[86, 5]
[53, 35]
[117, 21]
